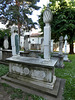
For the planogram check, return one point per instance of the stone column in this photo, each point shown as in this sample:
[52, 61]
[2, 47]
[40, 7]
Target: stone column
[47, 18]
[60, 64]
[60, 45]
[29, 45]
[42, 45]
[65, 51]
[26, 44]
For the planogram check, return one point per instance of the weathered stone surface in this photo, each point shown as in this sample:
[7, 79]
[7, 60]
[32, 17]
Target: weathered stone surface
[34, 61]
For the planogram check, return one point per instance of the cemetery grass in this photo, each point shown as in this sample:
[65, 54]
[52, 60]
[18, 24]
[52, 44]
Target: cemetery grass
[68, 73]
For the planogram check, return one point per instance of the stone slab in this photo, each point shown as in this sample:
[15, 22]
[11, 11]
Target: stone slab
[25, 88]
[31, 84]
[33, 61]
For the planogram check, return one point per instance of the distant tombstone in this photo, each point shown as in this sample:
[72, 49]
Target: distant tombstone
[29, 44]
[6, 43]
[26, 43]
[65, 43]
[42, 45]
[14, 42]
[60, 63]
[60, 45]
[17, 43]
[65, 52]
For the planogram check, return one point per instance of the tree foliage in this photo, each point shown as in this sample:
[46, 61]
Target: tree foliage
[17, 11]
[63, 19]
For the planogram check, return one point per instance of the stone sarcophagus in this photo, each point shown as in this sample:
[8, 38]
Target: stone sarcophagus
[33, 73]
[33, 70]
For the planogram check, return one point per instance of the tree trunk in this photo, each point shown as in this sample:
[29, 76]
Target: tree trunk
[71, 48]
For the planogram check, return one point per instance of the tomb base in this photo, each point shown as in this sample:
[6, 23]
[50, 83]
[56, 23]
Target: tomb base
[32, 75]
[49, 94]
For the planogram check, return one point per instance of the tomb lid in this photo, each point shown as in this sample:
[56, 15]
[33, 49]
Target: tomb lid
[33, 61]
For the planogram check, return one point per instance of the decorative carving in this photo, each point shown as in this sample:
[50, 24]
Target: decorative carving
[26, 71]
[47, 16]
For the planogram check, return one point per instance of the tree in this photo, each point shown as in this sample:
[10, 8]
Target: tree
[63, 22]
[17, 12]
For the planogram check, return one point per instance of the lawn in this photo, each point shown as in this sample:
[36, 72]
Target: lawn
[67, 73]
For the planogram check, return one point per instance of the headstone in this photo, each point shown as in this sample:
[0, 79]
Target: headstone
[65, 51]
[60, 63]
[60, 45]
[29, 44]
[42, 45]
[6, 43]
[26, 44]
[47, 18]
[65, 43]
[14, 42]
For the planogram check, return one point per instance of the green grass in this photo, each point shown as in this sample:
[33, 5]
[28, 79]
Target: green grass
[68, 73]
[3, 69]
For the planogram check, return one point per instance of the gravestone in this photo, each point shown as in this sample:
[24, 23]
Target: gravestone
[26, 44]
[47, 19]
[65, 51]
[59, 55]
[6, 43]
[42, 45]
[60, 45]
[29, 45]
[14, 41]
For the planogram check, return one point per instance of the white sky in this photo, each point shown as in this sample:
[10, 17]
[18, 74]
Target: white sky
[35, 13]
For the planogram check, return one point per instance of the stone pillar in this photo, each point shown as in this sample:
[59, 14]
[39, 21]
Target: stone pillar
[26, 44]
[47, 18]
[42, 45]
[52, 45]
[60, 45]
[65, 51]
[60, 63]
[29, 45]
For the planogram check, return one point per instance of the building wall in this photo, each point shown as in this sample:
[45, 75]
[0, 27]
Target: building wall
[35, 40]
